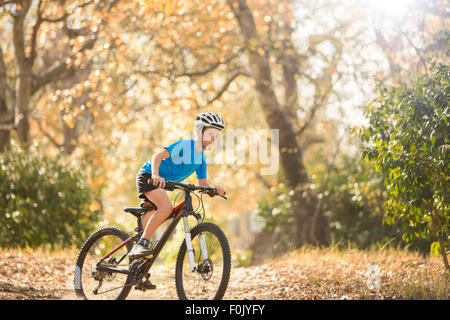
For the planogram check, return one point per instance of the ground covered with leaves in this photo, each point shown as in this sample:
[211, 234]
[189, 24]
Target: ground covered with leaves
[308, 273]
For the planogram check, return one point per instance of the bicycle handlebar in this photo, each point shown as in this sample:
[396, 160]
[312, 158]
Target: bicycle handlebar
[171, 185]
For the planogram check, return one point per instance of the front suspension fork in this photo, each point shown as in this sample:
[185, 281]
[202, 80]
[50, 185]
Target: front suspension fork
[190, 250]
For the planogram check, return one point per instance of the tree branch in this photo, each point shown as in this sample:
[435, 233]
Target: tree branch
[227, 84]
[61, 68]
[441, 11]
[49, 137]
[18, 33]
[54, 20]
[209, 69]
[64, 67]
[422, 59]
[5, 2]
[261, 178]
[35, 32]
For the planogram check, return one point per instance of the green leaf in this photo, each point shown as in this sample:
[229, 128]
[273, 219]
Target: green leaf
[435, 248]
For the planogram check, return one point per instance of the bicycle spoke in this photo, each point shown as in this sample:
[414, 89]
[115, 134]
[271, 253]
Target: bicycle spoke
[204, 283]
[102, 284]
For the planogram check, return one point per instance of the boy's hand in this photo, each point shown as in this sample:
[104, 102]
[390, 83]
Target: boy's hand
[220, 189]
[158, 181]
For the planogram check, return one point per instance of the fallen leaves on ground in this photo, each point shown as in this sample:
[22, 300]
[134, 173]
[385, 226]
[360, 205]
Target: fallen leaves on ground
[27, 274]
[307, 273]
[317, 274]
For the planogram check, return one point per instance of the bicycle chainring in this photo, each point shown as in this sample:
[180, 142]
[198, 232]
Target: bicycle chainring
[136, 272]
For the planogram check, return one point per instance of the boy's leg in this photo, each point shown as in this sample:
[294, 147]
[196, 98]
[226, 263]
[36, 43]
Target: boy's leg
[153, 219]
[148, 214]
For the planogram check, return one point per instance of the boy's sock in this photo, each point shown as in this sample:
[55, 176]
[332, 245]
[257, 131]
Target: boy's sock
[144, 242]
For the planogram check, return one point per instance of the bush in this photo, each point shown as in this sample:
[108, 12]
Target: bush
[45, 201]
[407, 140]
[276, 213]
[352, 197]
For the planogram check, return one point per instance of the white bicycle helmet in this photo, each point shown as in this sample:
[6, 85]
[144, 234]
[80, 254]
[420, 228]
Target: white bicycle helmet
[209, 119]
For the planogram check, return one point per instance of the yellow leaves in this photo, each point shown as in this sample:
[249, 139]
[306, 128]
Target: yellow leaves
[70, 123]
[166, 6]
[94, 206]
[85, 139]
[168, 10]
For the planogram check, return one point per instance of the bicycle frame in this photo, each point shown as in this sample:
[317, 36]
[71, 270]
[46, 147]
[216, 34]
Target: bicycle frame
[183, 210]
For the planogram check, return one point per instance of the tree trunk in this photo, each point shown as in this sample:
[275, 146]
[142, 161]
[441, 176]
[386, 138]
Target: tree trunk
[23, 84]
[444, 255]
[6, 118]
[291, 156]
[22, 108]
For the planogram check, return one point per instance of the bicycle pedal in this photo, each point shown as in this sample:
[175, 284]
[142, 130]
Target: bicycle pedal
[145, 285]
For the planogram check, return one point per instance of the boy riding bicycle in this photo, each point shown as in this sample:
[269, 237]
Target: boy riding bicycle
[175, 162]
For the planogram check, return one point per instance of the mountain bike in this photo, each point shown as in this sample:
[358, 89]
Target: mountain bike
[104, 271]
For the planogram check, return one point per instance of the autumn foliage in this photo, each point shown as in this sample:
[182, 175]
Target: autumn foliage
[91, 88]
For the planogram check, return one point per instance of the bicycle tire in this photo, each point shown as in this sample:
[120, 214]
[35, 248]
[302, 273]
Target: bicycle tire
[222, 239]
[106, 231]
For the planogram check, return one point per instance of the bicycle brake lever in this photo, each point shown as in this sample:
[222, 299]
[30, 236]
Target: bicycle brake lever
[209, 193]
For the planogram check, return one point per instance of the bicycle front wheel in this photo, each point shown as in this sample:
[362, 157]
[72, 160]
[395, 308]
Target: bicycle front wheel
[213, 265]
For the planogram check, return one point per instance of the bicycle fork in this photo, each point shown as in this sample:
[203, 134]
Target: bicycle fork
[190, 249]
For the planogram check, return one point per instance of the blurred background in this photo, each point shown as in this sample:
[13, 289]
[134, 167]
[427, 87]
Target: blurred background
[89, 89]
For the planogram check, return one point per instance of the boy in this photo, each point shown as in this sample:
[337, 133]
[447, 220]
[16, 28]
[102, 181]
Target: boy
[175, 163]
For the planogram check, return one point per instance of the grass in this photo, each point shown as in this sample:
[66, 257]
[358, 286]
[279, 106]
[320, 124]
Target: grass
[378, 273]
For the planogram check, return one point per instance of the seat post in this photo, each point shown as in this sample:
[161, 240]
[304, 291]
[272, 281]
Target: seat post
[139, 224]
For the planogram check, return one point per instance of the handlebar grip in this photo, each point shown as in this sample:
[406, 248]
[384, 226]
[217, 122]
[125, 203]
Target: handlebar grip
[168, 185]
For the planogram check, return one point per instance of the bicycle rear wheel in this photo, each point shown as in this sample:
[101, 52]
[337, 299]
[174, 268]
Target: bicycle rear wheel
[94, 284]
[211, 278]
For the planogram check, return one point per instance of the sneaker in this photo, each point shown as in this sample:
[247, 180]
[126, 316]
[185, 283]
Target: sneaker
[146, 285]
[140, 250]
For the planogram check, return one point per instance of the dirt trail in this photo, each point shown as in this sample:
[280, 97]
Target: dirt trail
[306, 274]
[27, 275]
[38, 275]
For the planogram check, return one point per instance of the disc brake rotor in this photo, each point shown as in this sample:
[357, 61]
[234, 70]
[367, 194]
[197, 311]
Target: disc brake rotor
[206, 269]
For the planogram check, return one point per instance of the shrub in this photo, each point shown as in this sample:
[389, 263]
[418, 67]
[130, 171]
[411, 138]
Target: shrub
[44, 200]
[407, 139]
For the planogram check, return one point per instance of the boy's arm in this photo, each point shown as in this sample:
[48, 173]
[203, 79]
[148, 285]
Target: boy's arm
[156, 162]
[203, 183]
[157, 158]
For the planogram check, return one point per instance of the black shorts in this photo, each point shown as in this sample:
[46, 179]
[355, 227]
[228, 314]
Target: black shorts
[143, 185]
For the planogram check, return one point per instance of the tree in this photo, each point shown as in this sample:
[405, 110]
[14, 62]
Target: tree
[407, 139]
[209, 48]
[32, 73]
[414, 39]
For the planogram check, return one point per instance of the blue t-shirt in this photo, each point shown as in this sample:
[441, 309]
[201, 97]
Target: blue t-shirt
[183, 161]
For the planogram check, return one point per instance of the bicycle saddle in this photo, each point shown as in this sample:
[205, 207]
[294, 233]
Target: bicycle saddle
[138, 211]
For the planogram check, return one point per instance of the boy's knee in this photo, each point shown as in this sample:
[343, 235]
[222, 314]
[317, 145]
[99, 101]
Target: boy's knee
[167, 208]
